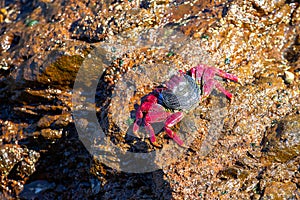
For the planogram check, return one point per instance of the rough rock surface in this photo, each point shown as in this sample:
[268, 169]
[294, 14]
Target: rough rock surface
[254, 155]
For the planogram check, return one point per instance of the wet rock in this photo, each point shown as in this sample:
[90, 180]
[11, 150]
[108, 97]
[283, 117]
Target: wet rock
[60, 188]
[46, 121]
[268, 6]
[232, 172]
[36, 189]
[11, 132]
[252, 39]
[6, 41]
[31, 96]
[289, 77]
[279, 190]
[27, 165]
[3, 14]
[282, 140]
[63, 120]
[58, 69]
[10, 155]
[36, 112]
[51, 134]
[53, 121]
[16, 163]
[95, 186]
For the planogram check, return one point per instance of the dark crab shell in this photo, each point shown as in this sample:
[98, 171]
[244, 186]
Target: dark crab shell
[182, 93]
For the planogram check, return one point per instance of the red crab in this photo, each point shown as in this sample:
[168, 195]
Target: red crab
[182, 92]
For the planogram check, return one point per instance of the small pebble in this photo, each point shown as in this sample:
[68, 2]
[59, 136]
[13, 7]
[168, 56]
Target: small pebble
[289, 77]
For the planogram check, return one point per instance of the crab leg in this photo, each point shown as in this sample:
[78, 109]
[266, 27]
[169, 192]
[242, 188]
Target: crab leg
[200, 70]
[223, 90]
[138, 120]
[226, 75]
[197, 72]
[136, 126]
[171, 121]
[208, 86]
[150, 130]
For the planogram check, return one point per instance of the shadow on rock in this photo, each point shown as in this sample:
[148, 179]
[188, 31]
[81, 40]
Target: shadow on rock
[67, 171]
